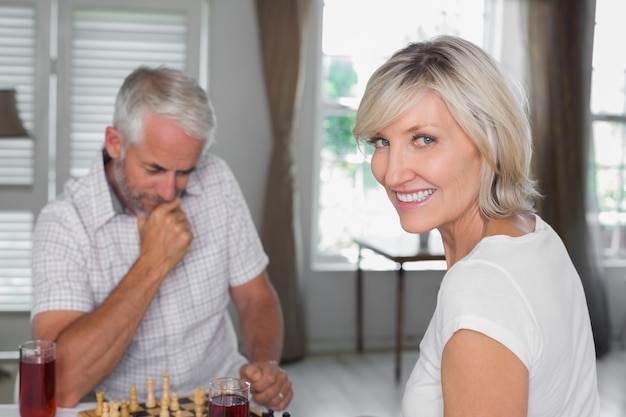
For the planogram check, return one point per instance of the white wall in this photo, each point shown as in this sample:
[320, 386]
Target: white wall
[237, 90]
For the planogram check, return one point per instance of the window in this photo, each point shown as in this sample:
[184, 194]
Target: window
[66, 60]
[357, 38]
[23, 173]
[15, 258]
[17, 60]
[608, 150]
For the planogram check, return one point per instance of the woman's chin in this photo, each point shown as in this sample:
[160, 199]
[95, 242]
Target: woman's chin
[415, 228]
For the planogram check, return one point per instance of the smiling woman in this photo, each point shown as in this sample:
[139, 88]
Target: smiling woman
[453, 151]
[351, 49]
[427, 165]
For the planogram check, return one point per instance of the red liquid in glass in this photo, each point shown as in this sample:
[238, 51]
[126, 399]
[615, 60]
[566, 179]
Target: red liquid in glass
[37, 388]
[229, 405]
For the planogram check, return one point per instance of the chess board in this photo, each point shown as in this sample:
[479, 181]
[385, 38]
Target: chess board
[186, 406]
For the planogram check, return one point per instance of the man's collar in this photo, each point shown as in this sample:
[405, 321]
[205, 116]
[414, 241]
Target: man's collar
[118, 207]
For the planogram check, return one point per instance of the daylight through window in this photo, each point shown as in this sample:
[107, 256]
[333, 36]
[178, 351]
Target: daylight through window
[357, 38]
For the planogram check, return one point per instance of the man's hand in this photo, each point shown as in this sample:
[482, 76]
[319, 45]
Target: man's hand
[165, 236]
[269, 384]
[90, 345]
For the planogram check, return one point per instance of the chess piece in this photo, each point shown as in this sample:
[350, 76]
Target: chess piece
[165, 412]
[179, 413]
[100, 400]
[105, 409]
[197, 396]
[124, 412]
[174, 404]
[114, 411]
[198, 400]
[150, 400]
[134, 404]
[166, 387]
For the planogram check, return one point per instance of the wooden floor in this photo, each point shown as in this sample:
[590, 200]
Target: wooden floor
[362, 385]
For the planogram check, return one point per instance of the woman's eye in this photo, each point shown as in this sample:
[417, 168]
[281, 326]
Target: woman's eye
[423, 140]
[378, 142]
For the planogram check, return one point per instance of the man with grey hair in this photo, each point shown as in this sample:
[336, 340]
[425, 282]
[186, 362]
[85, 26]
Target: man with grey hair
[135, 264]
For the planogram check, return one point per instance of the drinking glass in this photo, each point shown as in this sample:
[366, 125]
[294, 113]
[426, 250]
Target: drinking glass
[37, 379]
[229, 397]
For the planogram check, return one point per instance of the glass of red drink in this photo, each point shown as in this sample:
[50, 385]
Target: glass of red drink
[37, 379]
[229, 397]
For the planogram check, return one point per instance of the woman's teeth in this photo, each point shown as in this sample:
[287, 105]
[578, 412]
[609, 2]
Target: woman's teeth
[415, 197]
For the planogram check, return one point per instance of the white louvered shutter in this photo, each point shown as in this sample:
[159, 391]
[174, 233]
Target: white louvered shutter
[18, 51]
[17, 72]
[106, 46]
[97, 44]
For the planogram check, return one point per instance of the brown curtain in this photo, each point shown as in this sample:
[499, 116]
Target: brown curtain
[282, 25]
[560, 39]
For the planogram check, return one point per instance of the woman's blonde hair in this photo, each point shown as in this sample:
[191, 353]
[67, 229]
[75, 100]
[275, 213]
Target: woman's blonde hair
[482, 100]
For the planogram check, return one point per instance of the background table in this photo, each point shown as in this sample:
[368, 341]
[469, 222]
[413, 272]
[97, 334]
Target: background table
[401, 251]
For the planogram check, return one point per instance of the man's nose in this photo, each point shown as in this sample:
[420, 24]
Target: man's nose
[167, 187]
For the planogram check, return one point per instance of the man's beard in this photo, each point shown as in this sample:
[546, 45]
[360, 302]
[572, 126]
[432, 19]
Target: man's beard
[129, 197]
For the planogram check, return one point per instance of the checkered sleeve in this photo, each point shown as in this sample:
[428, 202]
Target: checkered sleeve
[59, 278]
[247, 259]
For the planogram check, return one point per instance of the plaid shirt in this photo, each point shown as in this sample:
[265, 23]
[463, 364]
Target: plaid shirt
[83, 247]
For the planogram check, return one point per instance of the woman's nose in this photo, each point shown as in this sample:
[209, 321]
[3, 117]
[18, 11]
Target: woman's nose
[400, 168]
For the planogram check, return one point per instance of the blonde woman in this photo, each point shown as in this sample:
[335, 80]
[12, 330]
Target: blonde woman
[511, 334]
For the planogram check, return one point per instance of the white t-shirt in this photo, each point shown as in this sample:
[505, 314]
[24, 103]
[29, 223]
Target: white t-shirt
[525, 293]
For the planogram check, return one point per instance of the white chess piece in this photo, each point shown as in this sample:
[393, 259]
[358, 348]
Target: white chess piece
[124, 412]
[166, 388]
[165, 412]
[174, 404]
[134, 404]
[114, 410]
[150, 400]
[100, 400]
[105, 409]
[198, 401]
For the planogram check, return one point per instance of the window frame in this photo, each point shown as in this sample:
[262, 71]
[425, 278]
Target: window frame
[613, 254]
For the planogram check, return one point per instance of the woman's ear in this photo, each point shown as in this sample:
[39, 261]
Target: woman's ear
[113, 142]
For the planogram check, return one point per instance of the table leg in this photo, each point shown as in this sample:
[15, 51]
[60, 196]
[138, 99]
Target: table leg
[399, 321]
[359, 304]
[623, 330]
